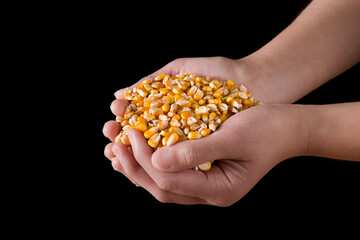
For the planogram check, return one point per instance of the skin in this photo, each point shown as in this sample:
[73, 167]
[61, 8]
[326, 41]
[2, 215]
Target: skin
[320, 44]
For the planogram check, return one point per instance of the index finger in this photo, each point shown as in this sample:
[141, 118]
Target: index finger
[169, 69]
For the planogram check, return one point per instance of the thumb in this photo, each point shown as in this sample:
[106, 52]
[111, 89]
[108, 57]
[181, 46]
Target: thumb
[190, 153]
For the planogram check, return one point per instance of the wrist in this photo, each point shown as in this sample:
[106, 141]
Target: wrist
[296, 131]
[254, 73]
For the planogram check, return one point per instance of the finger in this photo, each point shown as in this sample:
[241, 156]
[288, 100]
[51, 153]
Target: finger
[187, 182]
[111, 129]
[117, 165]
[108, 151]
[118, 107]
[190, 153]
[171, 68]
[139, 176]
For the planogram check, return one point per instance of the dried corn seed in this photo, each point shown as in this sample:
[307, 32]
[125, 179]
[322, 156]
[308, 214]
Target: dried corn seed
[205, 132]
[201, 110]
[154, 140]
[170, 109]
[205, 166]
[149, 133]
[160, 77]
[194, 135]
[173, 138]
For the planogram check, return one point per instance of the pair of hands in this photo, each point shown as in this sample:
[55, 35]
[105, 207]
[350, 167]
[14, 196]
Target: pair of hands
[245, 147]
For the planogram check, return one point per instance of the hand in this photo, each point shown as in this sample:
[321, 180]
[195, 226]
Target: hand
[239, 71]
[245, 148]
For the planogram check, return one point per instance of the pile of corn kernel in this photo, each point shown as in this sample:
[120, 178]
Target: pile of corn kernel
[169, 109]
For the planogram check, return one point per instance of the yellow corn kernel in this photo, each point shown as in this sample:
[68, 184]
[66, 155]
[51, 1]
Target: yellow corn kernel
[157, 85]
[205, 166]
[141, 127]
[205, 117]
[148, 88]
[122, 137]
[247, 102]
[183, 103]
[128, 94]
[164, 91]
[124, 123]
[147, 103]
[223, 107]
[173, 138]
[201, 110]
[169, 83]
[163, 124]
[194, 135]
[192, 91]
[168, 99]
[215, 84]
[185, 114]
[149, 133]
[229, 100]
[165, 133]
[212, 116]
[177, 90]
[213, 125]
[207, 89]
[155, 111]
[176, 130]
[198, 95]
[165, 107]
[147, 81]
[154, 140]
[164, 140]
[183, 85]
[205, 132]
[222, 118]
[141, 120]
[202, 101]
[160, 77]
[218, 93]
[230, 85]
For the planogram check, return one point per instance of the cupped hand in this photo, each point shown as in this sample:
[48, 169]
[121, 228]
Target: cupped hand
[216, 67]
[245, 148]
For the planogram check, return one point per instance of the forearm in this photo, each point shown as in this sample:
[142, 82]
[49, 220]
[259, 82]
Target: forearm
[334, 131]
[321, 43]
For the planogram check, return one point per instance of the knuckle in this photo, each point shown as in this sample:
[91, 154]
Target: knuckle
[192, 156]
[165, 183]
[162, 196]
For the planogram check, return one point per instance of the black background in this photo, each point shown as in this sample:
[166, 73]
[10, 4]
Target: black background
[89, 52]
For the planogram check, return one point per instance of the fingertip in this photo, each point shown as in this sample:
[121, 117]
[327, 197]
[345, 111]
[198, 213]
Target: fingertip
[119, 94]
[108, 151]
[111, 129]
[118, 106]
[160, 160]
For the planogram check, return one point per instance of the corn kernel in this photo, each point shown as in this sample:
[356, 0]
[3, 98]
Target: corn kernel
[160, 77]
[205, 166]
[141, 127]
[218, 93]
[173, 138]
[194, 135]
[247, 102]
[198, 95]
[149, 133]
[154, 140]
[205, 132]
